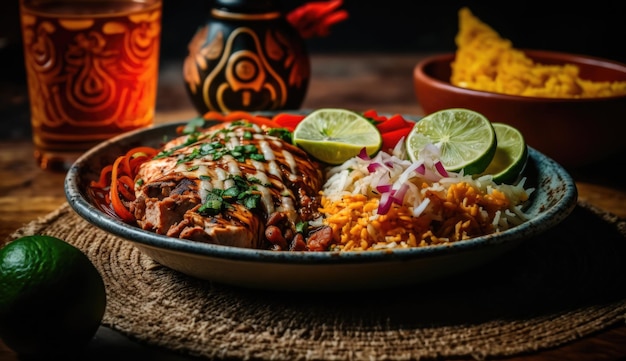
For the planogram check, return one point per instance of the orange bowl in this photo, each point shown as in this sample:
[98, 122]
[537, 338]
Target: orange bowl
[573, 132]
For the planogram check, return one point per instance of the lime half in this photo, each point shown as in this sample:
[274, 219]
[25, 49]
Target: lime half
[466, 139]
[511, 154]
[335, 135]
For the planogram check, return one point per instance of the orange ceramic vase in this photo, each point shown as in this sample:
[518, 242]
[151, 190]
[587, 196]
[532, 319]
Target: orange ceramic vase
[246, 57]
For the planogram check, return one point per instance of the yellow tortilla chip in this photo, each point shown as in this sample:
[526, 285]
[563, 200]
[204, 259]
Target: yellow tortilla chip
[486, 61]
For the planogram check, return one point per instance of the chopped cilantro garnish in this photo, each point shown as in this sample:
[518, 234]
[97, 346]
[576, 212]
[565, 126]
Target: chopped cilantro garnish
[301, 227]
[164, 153]
[256, 156]
[282, 133]
[242, 192]
[252, 201]
[193, 125]
[213, 204]
[231, 192]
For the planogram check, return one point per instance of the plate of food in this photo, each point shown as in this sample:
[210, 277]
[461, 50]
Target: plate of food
[322, 200]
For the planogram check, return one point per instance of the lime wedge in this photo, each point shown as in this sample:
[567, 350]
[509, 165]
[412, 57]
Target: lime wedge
[466, 139]
[335, 135]
[511, 154]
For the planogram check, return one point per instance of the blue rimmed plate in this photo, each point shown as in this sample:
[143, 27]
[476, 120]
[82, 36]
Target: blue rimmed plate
[554, 198]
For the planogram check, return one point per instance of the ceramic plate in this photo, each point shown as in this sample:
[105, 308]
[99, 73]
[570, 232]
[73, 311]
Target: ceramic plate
[552, 201]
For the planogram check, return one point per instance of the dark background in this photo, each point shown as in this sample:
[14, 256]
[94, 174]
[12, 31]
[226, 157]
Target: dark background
[595, 28]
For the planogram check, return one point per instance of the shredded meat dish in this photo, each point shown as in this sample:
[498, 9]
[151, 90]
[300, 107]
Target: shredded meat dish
[232, 184]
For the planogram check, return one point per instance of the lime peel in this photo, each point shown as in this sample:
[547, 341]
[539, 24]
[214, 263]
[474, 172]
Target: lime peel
[511, 154]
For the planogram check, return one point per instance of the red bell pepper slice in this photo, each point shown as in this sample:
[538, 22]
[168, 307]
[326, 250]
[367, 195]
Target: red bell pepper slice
[289, 121]
[394, 122]
[390, 139]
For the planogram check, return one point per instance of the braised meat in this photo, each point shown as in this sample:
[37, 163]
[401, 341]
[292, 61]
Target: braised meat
[232, 184]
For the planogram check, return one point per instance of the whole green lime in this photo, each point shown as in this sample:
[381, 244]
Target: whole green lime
[52, 298]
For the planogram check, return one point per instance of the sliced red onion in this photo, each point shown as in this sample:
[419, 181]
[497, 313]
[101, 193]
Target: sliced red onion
[407, 172]
[372, 167]
[385, 203]
[383, 182]
[398, 196]
[363, 154]
[383, 188]
[440, 168]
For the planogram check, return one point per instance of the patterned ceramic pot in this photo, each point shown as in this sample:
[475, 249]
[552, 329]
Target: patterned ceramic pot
[246, 57]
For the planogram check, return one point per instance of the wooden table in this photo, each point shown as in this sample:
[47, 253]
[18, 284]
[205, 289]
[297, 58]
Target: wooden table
[359, 82]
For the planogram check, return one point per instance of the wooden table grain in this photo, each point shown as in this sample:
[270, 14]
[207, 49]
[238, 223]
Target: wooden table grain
[355, 81]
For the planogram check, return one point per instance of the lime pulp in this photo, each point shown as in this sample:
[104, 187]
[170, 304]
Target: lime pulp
[466, 139]
[334, 135]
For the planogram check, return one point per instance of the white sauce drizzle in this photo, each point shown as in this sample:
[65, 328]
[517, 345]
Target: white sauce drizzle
[287, 207]
[205, 184]
[266, 199]
[273, 169]
[233, 142]
[232, 165]
[267, 150]
[181, 168]
[260, 172]
[218, 181]
[292, 165]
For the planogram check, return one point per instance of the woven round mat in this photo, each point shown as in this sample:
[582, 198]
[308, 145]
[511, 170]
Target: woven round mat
[553, 289]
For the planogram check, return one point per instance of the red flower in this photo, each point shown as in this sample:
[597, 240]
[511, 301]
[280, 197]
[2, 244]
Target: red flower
[315, 18]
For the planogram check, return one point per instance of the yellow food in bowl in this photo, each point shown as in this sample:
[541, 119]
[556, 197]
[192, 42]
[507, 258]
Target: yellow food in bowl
[485, 61]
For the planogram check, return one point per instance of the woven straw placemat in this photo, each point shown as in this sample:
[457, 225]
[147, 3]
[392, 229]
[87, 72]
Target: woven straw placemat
[556, 288]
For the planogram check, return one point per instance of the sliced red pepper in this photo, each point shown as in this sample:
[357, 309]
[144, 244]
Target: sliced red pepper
[240, 115]
[372, 114]
[315, 18]
[390, 139]
[105, 176]
[213, 115]
[289, 121]
[394, 122]
[116, 201]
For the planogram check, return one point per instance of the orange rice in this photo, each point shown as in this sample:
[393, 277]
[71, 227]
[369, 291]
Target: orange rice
[458, 208]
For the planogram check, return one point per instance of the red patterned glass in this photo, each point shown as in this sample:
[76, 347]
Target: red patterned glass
[92, 69]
